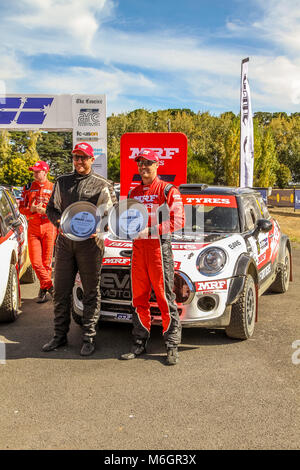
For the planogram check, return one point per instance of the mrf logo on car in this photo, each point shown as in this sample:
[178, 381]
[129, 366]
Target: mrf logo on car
[207, 286]
[171, 148]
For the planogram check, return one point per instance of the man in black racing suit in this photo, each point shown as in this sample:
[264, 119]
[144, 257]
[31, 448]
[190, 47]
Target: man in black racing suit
[73, 256]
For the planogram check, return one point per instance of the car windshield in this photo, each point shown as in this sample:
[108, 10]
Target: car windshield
[209, 214]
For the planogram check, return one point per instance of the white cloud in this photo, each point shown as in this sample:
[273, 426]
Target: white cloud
[280, 23]
[62, 23]
[277, 23]
[112, 82]
[151, 64]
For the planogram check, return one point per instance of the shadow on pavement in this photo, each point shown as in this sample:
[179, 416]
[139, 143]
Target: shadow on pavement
[25, 337]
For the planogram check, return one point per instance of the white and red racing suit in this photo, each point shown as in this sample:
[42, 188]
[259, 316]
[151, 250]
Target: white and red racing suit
[41, 233]
[152, 262]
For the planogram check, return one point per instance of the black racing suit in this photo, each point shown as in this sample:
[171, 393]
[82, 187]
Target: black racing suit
[84, 257]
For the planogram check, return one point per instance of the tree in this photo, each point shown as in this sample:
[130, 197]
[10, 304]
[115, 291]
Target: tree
[266, 163]
[113, 168]
[5, 152]
[55, 148]
[283, 175]
[14, 165]
[263, 118]
[286, 133]
[232, 154]
[198, 171]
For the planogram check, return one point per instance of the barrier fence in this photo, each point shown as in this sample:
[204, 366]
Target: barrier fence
[281, 197]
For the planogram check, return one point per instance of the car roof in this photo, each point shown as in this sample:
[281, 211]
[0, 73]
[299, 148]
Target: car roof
[206, 189]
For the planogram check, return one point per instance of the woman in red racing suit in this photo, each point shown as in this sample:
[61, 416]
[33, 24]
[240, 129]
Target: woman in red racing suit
[41, 233]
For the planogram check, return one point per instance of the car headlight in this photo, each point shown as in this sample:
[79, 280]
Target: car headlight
[183, 288]
[211, 261]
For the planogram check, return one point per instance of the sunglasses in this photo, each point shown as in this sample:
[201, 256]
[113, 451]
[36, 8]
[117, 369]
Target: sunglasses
[145, 163]
[81, 157]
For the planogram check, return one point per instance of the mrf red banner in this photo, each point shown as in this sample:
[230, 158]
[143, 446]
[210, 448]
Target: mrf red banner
[172, 151]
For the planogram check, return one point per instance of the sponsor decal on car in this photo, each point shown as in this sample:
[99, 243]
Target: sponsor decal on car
[210, 200]
[265, 272]
[116, 261]
[264, 243]
[117, 244]
[275, 233]
[124, 316]
[206, 286]
[234, 244]
[261, 259]
[188, 246]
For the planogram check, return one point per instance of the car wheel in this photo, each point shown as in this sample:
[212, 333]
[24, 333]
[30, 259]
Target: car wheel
[10, 307]
[77, 318]
[243, 312]
[282, 280]
[29, 277]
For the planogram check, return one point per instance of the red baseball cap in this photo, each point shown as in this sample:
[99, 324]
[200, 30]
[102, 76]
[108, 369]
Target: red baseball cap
[148, 154]
[40, 165]
[84, 149]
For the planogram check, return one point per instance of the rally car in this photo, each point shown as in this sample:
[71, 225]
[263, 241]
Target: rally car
[15, 263]
[228, 254]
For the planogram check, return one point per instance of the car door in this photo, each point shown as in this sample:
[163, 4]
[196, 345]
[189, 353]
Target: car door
[260, 242]
[273, 235]
[8, 241]
[19, 225]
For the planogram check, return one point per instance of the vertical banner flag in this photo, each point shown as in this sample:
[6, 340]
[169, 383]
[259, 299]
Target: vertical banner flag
[247, 140]
[172, 151]
[89, 125]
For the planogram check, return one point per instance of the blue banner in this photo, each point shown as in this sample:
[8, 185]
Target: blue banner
[297, 199]
[264, 194]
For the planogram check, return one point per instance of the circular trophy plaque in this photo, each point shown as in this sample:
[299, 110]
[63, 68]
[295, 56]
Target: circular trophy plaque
[127, 219]
[79, 220]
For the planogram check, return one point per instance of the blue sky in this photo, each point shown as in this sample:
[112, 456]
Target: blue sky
[154, 54]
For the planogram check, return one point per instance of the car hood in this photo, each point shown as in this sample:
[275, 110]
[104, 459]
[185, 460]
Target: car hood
[114, 245]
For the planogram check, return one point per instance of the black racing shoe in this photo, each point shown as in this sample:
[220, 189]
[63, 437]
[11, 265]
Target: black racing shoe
[172, 357]
[55, 343]
[42, 296]
[138, 348]
[88, 347]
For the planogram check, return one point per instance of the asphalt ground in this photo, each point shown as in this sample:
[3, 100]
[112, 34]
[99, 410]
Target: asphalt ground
[223, 394]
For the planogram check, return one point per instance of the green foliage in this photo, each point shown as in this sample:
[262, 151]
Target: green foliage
[265, 162]
[17, 154]
[113, 168]
[198, 171]
[213, 146]
[55, 148]
[232, 153]
[283, 175]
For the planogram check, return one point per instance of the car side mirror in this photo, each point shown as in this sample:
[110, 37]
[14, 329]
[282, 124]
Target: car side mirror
[263, 225]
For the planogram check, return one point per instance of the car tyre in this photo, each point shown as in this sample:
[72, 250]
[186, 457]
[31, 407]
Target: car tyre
[9, 309]
[77, 318]
[282, 280]
[29, 277]
[243, 312]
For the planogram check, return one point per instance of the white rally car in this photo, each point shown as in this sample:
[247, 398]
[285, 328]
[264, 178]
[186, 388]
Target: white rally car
[14, 258]
[229, 253]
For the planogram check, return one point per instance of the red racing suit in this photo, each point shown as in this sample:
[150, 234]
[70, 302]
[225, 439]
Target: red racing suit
[41, 232]
[152, 262]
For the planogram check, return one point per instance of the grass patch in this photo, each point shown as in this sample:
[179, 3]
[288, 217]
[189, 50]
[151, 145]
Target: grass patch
[289, 221]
